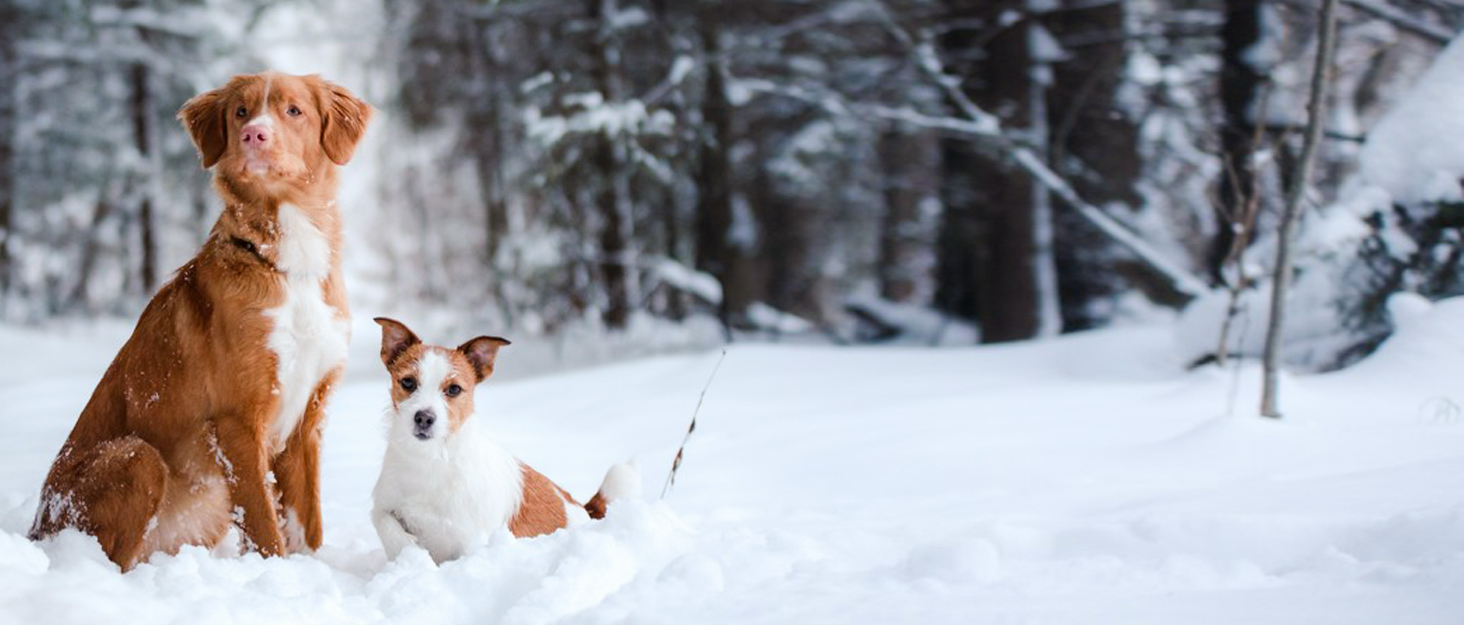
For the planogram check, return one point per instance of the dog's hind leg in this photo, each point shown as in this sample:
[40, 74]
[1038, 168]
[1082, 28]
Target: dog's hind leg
[111, 491]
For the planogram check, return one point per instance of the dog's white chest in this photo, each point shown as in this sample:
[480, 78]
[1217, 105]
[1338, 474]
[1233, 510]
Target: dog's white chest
[450, 500]
[309, 337]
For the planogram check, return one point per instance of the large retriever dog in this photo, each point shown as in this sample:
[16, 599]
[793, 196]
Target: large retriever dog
[211, 414]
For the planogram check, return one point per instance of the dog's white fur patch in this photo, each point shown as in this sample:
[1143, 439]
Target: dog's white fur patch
[265, 117]
[294, 533]
[309, 338]
[446, 494]
[574, 514]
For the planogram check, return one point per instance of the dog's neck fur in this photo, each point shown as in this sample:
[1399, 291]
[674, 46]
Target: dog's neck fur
[468, 443]
[251, 214]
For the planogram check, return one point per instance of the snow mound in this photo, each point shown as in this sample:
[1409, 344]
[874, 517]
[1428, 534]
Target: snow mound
[1426, 341]
[1313, 338]
[1416, 151]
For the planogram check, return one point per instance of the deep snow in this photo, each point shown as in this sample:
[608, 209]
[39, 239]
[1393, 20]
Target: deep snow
[1086, 479]
[1414, 151]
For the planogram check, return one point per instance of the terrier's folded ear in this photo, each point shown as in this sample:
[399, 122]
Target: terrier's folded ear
[482, 351]
[395, 339]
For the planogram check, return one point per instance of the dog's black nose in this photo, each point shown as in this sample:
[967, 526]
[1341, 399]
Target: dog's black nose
[424, 419]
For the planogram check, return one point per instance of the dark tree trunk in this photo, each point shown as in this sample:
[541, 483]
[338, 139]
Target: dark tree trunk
[671, 226]
[9, 70]
[142, 130]
[714, 252]
[485, 118]
[613, 243]
[1239, 84]
[901, 244]
[989, 204]
[89, 250]
[611, 197]
[783, 248]
[955, 244]
[1090, 128]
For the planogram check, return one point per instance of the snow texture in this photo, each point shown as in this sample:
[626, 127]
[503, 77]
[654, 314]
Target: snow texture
[1084, 479]
[1416, 151]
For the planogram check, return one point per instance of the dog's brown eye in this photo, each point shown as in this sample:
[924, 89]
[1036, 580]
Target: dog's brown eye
[454, 390]
[408, 384]
[293, 111]
[241, 113]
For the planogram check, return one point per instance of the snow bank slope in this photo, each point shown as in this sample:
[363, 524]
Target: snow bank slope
[1081, 480]
[1416, 151]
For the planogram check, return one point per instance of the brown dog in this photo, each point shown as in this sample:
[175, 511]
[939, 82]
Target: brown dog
[212, 411]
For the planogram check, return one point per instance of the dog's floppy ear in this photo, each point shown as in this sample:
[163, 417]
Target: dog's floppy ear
[482, 351]
[343, 121]
[395, 339]
[203, 116]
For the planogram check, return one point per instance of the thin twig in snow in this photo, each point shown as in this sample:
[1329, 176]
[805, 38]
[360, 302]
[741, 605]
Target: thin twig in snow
[676, 462]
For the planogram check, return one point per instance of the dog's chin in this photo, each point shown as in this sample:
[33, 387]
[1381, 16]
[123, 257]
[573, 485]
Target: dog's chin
[266, 170]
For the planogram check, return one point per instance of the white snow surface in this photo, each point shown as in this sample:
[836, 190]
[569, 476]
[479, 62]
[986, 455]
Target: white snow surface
[1416, 151]
[1083, 479]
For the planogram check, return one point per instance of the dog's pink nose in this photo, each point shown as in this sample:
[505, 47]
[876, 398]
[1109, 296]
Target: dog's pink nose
[255, 135]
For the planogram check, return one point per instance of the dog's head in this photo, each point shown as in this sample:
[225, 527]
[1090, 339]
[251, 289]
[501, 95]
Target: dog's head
[432, 386]
[269, 133]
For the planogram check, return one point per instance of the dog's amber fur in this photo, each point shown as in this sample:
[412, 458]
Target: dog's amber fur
[174, 444]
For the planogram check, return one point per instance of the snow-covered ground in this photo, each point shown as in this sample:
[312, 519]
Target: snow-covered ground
[1087, 479]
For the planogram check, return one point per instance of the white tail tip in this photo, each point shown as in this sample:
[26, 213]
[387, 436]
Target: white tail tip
[622, 481]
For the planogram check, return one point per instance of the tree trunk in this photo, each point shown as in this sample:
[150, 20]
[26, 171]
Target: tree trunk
[995, 201]
[1095, 145]
[1295, 192]
[9, 70]
[714, 173]
[612, 195]
[142, 131]
[1239, 86]
[89, 249]
[485, 118]
[902, 245]
[1044, 267]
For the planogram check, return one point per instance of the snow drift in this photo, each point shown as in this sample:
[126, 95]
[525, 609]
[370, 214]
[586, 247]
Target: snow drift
[1086, 479]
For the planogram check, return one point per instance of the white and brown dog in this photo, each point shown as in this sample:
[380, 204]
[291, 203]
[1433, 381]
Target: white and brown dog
[211, 414]
[446, 487]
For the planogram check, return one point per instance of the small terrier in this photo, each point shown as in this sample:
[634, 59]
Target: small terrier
[446, 487]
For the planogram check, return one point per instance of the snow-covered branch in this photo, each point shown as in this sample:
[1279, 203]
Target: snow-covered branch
[1402, 20]
[986, 127]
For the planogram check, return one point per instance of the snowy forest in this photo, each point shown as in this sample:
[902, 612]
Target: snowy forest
[860, 170]
[936, 311]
